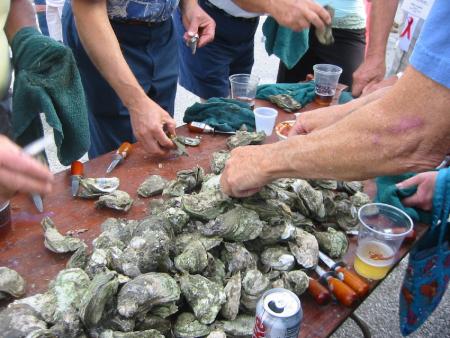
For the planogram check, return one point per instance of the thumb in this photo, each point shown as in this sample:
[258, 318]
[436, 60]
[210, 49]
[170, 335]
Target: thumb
[412, 181]
[357, 88]
[411, 201]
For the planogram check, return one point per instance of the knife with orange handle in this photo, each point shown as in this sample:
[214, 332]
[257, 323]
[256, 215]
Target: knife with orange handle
[351, 279]
[119, 156]
[319, 292]
[343, 293]
[76, 172]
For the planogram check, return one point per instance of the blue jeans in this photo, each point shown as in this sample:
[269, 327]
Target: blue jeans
[151, 52]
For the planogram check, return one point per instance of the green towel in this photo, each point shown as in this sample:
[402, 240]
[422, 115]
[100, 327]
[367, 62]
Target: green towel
[388, 193]
[288, 45]
[222, 114]
[47, 80]
[345, 97]
[302, 92]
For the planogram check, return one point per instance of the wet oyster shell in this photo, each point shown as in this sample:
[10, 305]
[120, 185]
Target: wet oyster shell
[187, 326]
[206, 205]
[233, 294]
[273, 211]
[217, 333]
[245, 138]
[19, 320]
[43, 303]
[95, 187]
[242, 326]
[237, 258]
[305, 249]
[183, 240]
[180, 146]
[79, 258]
[56, 242]
[333, 243]
[137, 334]
[152, 186]
[359, 199]
[11, 283]
[254, 284]
[145, 291]
[154, 322]
[218, 160]
[68, 325]
[164, 311]
[350, 187]
[215, 271]
[194, 258]
[310, 201]
[177, 218]
[98, 262]
[285, 102]
[277, 258]
[346, 215]
[297, 281]
[205, 297]
[186, 182]
[117, 200]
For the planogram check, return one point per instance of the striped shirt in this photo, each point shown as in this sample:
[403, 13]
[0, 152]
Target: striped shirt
[141, 10]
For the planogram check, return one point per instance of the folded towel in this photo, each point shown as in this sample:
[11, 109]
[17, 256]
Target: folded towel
[47, 80]
[302, 92]
[221, 114]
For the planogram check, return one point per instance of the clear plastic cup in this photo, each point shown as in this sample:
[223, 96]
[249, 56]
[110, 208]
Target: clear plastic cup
[326, 78]
[382, 231]
[243, 88]
[265, 119]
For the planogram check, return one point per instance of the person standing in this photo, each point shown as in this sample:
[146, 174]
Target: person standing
[53, 15]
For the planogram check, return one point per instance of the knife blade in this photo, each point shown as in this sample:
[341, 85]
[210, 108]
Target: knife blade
[119, 156]
[37, 200]
[76, 171]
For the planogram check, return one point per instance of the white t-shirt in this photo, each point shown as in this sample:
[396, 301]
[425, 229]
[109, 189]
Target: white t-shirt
[231, 8]
[55, 3]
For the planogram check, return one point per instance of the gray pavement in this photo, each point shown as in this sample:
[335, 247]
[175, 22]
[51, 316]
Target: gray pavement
[380, 310]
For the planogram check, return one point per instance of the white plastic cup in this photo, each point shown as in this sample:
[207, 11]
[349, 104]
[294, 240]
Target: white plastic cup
[326, 78]
[265, 119]
[243, 88]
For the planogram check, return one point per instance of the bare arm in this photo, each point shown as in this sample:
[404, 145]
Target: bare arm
[404, 131]
[294, 14]
[372, 70]
[21, 14]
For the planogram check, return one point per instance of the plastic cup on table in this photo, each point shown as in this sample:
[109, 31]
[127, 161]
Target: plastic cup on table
[265, 119]
[243, 88]
[381, 233]
[326, 78]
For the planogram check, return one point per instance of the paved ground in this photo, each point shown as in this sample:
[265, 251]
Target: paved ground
[380, 310]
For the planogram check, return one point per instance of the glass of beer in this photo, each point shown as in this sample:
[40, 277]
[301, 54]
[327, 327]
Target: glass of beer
[381, 233]
[243, 88]
[326, 78]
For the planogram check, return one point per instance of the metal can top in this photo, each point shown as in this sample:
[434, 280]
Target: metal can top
[281, 303]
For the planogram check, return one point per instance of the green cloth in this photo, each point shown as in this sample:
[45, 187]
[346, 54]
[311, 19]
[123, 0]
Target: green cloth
[388, 193]
[288, 45]
[222, 114]
[345, 97]
[47, 80]
[302, 92]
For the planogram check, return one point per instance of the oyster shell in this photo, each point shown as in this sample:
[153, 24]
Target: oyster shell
[180, 145]
[242, 326]
[68, 325]
[286, 102]
[79, 258]
[310, 201]
[205, 297]
[305, 249]
[186, 181]
[233, 295]
[56, 242]
[145, 291]
[189, 141]
[245, 138]
[333, 243]
[164, 311]
[237, 258]
[95, 187]
[187, 326]
[183, 240]
[277, 258]
[177, 218]
[325, 36]
[19, 320]
[205, 205]
[152, 186]
[324, 184]
[254, 284]
[346, 215]
[215, 271]
[217, 333]
[98, 262]
[272, 210]
[43, 303]
[218, 160]
[11, 283]
[117, 200]
[359, 199]
[154, 322]
[193, 260]
[297, 281]
[137, 334]
[350, 187]
[41, 333]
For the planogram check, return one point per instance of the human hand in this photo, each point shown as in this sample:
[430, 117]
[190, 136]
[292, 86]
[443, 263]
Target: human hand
[298, 15]
[150, 123]
[423, 198]
[20, 172]
[244, 173]
[197, 21]
[316, 119]
[373, 87]
[369, 73]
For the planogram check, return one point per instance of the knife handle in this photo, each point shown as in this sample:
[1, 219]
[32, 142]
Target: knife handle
[77, 168]
[124, 149]
[343, 293]
[357, 284]
[319, 292]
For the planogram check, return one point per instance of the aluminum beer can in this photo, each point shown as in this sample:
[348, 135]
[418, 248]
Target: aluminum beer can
[278, 315]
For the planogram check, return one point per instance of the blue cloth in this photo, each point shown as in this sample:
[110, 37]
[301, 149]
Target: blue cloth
[206, 72]
[141, 10]
[431, 55]
[151, 53]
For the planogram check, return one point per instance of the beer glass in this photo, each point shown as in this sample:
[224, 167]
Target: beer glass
[243, 88]
[326, 78]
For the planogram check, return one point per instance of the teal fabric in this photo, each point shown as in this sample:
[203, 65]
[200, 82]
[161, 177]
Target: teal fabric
[222, 114]
[47, 81]
[288, 45]
[302, 92]
[387, 192]
[345, 97]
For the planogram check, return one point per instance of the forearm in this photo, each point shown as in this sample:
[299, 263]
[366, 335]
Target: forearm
[21, 14]
[392, 135]
[102, 46]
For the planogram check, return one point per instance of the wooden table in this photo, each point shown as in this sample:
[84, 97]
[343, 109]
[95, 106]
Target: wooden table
[22, 247]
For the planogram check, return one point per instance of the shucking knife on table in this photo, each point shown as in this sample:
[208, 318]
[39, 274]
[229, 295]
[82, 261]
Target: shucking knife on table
[343, 293]
[119, 156]
[76, 173]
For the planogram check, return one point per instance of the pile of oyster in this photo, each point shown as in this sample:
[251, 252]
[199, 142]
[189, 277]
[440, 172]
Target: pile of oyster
[195, 266]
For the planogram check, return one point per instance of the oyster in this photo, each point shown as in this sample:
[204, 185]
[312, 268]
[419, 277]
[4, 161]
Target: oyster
[310, 201]
[145, 291]
[41, 333]
[183, 240]
[117, 200]
[215, 271]
[359, 199]
[245, 138]
[242, 326]
[193, 259]
[43, 303]
[205, 297]
[19, 320]
[98, 262]
[325, 36]
[297, 281]
[238, 224]
[137, 334]
[237, 258]
[277, 258]
[272, 210]
[56, 242]
[177, 218]
[190, 141]
[164, 311]
[101, 290]
[68, 325]
[79, 258]
[233, 295]
[305, 249]
[324, 184]
[154, 322]
[333, 243]
[95, 187]
[181, 149]
[218, 160]
[346, 215]
[186, 182]
[153, 185]
[286, 102]
[187, 326]
[205, 205]
[217, 333]
[11, 283]
[254, 284]
[350, 187]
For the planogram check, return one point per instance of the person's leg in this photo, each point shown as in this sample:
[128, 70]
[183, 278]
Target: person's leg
[53, 15]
